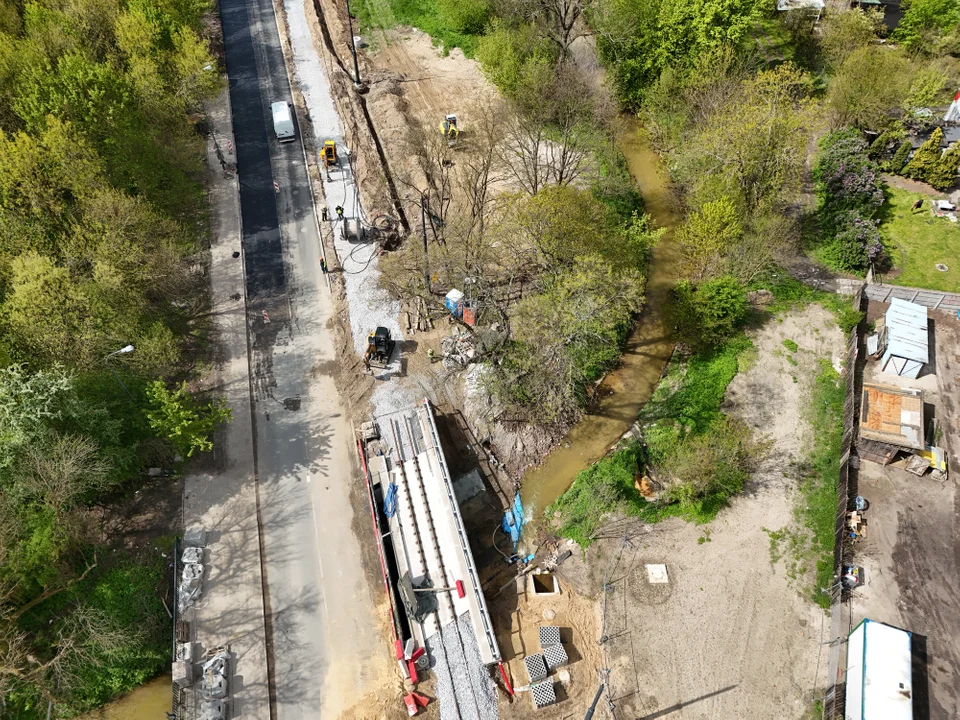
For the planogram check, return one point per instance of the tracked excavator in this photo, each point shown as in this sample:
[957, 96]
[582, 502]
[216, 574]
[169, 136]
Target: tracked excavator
[379, 348]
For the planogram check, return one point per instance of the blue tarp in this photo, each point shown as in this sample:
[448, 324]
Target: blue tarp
[513, 520]
[390, 501]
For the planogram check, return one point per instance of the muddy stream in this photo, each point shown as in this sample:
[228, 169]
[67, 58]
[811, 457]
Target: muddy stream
[148, 702]
[625, 390]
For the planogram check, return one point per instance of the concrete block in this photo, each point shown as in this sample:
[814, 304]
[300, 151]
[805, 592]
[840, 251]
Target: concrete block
[549, 635]
[543, 694]
[555, 656]
[536, 667]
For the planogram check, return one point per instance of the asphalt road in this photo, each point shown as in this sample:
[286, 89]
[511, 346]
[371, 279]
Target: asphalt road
[322, 638]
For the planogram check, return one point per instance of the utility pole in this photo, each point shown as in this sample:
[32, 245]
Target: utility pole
[353, 48]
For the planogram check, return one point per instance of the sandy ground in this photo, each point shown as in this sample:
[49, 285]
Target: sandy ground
[729, 636]
[911, 554]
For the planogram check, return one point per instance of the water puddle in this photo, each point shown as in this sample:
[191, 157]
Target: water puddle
[625, 390]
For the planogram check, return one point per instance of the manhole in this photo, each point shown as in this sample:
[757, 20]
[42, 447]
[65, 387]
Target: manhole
[941, 267]
[544, 584]
[291, 403]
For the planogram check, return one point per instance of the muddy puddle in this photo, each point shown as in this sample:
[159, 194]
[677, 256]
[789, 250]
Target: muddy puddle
[625, 390]
[147, 702]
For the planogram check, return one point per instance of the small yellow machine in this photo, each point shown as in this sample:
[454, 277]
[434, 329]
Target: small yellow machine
[329, 153]
[449, 130]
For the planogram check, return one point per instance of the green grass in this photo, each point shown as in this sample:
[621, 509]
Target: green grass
[791, 345]
[916, 242]
[691, 392]
[425, 15]
[819, 489]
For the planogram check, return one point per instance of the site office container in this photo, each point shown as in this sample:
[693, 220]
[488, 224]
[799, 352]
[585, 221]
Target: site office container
[879, 673]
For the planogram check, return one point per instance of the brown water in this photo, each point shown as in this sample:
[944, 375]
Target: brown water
[147, 702]
[625, 390]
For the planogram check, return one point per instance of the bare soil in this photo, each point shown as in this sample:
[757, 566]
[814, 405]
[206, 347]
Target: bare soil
[730, 635]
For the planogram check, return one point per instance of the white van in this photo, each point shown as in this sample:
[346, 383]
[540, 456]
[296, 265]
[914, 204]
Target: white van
[282, 122]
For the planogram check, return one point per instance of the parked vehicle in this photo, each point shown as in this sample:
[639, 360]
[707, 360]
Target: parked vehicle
[283, 121]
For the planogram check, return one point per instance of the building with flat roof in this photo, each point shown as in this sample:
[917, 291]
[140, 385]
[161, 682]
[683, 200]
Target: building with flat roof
[905, 339]
[892, 415]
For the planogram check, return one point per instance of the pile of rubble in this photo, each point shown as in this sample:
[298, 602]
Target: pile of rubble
[459, 349]
[191, 577]
[214, 687]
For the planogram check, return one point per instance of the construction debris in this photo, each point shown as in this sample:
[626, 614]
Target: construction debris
[459, 349]
[214, 686]
[191, 578]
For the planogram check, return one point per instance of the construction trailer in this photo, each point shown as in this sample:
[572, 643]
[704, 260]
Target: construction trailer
[879, 683]
[904, 339]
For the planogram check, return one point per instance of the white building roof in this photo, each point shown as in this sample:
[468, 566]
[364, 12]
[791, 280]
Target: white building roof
[907, 335]
[879, 673]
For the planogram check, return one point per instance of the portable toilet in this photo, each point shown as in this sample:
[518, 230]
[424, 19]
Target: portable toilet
[454, 302]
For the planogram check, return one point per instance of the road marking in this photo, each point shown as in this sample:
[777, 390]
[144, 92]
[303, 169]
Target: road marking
[276, 186]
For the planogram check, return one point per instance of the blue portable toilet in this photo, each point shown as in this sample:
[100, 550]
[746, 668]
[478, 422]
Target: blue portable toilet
[454, 302]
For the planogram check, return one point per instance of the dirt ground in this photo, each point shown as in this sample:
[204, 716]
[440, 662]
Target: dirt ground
[729, 636]
[911, 552]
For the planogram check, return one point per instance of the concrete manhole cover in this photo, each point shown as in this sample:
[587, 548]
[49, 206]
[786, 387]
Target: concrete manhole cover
[291, 403]
[941, 267]
[657, 574]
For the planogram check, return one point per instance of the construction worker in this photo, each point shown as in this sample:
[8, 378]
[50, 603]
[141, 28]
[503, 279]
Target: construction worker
[339, 210]
[430, 355]
[323, 265]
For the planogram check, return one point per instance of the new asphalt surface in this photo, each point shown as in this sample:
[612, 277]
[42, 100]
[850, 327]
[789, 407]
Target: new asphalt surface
[324, 644]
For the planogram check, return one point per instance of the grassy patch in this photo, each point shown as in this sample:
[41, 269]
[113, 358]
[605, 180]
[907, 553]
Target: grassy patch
[791, 345]
[917, 241]
[819, 489]
[449, 24]
[691, 392]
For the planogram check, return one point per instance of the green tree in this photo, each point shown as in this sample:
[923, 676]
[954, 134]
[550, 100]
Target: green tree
[870, 83]
[709, 233]
[899, 159]
[705, 315]
[639, 39]
[27, 402]
[846, 32]
[928, 26]
[926, 159]
[944, 174]
[178, 416]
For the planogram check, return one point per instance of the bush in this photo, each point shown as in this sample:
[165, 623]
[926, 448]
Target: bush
[900, 157]
[926, 159]
[848, 196]
[944, 175]
[464, 16]
[705, 315]
[854, 245]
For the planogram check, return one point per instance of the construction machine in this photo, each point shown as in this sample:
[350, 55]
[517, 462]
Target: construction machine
[449, 130]
[329, 153]
[379, 348]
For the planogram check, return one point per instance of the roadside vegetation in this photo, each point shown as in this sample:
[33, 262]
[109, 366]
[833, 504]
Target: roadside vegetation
[102, 233]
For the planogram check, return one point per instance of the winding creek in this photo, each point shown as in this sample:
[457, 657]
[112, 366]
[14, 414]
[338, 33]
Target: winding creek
[626, 389]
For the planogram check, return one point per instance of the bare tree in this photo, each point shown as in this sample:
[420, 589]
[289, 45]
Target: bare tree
[62, 471]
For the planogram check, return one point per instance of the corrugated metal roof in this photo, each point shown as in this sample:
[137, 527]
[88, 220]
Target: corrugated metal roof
[907, 330]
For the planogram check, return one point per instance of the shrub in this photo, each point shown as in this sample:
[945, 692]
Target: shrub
[464, 16]
[926, 159]
[181, 419]
[944, 175]
[705, 315]
[854, 246]
[845, 177]
[900, 157]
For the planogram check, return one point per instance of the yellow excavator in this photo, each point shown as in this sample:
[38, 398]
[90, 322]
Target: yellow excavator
[329, 153]
[450, 131]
